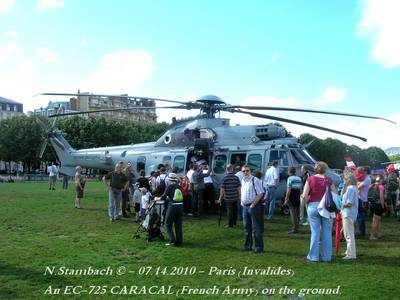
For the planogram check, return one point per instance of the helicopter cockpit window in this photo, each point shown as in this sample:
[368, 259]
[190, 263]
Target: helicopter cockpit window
[219, 164]
[141, 163]
[179, 162]
[206, 133]
[254, 161]
[300, 157]
[280, 155]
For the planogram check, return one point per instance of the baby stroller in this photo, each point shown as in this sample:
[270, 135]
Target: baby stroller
[151, 224]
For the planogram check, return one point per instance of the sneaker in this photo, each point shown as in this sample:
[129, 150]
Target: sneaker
[348, 257]
[305, 224]
[169, 244]
[373, 238]
[112, 220]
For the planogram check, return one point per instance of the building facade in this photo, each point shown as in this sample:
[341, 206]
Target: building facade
[10, 108]
[53, 107]
[88, 102]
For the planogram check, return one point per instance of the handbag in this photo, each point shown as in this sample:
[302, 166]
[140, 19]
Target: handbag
[328, 199]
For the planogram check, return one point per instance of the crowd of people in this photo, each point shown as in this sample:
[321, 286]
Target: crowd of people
[252, 197]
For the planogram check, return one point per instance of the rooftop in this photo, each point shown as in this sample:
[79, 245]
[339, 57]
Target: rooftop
[5, 100]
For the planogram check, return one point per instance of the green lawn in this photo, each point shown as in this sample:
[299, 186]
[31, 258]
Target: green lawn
[40, 228]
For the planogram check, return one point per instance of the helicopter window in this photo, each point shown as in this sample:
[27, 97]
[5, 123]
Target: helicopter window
[300, 157]
[141, 163]
[166, 160]
[179, 162]
[219, 164]
[255, 161]
[280, 156]
[307, 156]
[206, 133]
[238, 159]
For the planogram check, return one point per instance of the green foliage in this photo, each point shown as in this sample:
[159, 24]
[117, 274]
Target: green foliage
[98, 132]
[20, 140]
[21, 137]
[395, 157]
[333, 151]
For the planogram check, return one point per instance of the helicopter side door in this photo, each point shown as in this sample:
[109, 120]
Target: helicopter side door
[219, 163]
[284, 161]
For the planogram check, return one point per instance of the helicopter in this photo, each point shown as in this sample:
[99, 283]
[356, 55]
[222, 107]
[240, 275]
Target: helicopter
[207, 138]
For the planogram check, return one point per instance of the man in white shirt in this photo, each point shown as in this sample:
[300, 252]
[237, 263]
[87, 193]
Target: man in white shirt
[272, 180]
[251, 193]
[53, 171]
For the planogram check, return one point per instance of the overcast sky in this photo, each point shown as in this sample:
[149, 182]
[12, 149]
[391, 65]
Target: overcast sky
[332, 55]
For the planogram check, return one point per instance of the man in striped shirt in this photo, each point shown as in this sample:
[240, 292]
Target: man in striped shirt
[230, 194]
[252, 194]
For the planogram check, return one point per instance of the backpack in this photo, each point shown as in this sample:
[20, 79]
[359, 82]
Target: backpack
[161, 188]
[178, 196]
[392, 185]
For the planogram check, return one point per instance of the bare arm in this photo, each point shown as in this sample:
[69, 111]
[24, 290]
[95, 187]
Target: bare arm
[221, 196]
[306, 192]
[288, 191]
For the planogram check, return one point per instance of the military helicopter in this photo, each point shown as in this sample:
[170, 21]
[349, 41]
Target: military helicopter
[207, 138]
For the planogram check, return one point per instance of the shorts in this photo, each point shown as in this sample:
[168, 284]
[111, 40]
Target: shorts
[79, 193]
[137, 207]
[52, 179]
[378, 209]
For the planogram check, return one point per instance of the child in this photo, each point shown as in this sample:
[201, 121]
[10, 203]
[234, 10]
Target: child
[146, 195]
[137, 198]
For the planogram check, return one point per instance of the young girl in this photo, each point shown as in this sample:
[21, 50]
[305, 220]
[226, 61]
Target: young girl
[137, 198]
[379, 207]
[79, 186]
[146, 195]
[349, 212]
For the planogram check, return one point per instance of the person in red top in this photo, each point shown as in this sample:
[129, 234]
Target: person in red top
[186, 195]
[313, 192]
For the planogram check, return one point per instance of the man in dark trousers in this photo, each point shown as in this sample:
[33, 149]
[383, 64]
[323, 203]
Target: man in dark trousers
[116, 182]
[198, 189]
[174, 199]
[230, 194]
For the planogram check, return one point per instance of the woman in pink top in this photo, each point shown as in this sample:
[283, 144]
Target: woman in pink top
[379, 207]
[313, 192]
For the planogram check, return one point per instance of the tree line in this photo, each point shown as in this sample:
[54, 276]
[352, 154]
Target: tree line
[333, 152]
[21, 139]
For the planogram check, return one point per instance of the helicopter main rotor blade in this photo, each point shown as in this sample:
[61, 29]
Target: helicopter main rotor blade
[307, 110]
[44, 145]
[118, 109]
[116, 96]
[296, 122]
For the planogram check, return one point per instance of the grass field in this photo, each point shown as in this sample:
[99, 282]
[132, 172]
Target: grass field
[40, 228]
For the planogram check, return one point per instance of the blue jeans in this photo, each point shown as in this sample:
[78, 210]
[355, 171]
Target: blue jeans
[271, 197]
[114, 202]
[318, 224]
[253, 223]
